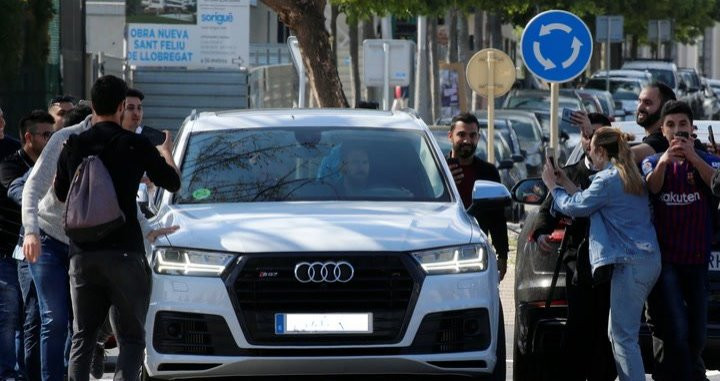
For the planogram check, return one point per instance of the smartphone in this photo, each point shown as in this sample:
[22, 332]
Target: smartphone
[550, 156]
[156, 137]
[566, 122]
[683, 134]
[711, 137]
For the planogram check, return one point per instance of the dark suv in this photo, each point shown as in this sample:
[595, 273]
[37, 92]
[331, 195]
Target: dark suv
[540, 332]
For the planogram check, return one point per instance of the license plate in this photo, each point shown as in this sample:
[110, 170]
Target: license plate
[332, 323]
[714, 261]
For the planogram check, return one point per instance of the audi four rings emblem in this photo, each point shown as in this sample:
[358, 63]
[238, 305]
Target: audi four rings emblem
[328, 272]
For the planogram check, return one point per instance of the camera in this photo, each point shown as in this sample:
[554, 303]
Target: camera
[682, 134]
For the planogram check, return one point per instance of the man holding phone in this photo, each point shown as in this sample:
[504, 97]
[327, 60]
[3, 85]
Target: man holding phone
[588, 347]
[464, 135]
[133, 117]
[679, 180]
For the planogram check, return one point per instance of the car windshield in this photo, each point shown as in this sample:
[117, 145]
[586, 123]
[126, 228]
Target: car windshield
[525, 131]
[665, 76]
[615, 86]
[310, 164]
[527, 102]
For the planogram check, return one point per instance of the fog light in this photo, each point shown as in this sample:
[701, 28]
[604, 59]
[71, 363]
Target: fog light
[173, 330]
[471, 327]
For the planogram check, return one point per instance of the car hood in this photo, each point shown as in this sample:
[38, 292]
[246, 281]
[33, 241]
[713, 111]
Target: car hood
[317, 226]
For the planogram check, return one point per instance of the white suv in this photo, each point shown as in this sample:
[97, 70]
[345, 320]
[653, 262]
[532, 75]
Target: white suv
[320, 242]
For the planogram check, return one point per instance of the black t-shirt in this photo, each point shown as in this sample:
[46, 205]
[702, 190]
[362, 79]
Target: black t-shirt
[657, 141]
[127, 157]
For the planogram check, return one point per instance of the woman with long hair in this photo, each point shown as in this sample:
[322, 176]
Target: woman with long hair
[621, 236]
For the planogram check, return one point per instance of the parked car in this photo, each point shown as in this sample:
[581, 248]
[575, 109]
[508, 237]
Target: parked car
[529, 131]
[538, 101]
[540, 332]
[607, 103]
[625, 92]
[711, 102]
[637, 74]
[693, 88]
[511, 168]
[668, 73]
[283, 266]
[715, 84]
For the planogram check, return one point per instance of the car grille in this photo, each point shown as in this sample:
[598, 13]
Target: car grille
[384, 284]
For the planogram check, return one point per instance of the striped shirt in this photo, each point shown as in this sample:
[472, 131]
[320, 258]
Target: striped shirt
[682, 211]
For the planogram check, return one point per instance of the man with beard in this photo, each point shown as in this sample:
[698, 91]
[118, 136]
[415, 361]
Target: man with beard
[464, 135]
[650, 103]
[589, 354]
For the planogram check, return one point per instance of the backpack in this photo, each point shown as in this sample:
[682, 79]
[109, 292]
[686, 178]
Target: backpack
[91, 208]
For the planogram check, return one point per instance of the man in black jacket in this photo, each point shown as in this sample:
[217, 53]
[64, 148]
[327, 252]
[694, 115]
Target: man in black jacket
[35, 130]
[588, 347]
[113, 270]
[464, 135]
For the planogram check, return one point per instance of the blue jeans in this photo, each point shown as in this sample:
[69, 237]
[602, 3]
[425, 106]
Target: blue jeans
[31, 323]
[10, 306]
[50, 274]
[630, 285]
[680, 305]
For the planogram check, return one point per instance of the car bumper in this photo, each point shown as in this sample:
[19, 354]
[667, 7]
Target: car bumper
[209, 297]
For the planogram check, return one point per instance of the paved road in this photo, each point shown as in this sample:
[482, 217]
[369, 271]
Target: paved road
[508, 297]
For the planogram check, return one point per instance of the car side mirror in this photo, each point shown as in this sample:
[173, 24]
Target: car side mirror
[517, 158]
[505, 164]
[530, 191]
[682, 86]
[564, 136]
[488, 195]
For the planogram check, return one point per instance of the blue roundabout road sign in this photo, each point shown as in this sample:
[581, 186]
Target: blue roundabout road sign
[556, 46]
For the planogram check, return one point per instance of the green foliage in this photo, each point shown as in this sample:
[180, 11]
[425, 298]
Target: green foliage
[690, 16]
[11, 39]
[38, 14]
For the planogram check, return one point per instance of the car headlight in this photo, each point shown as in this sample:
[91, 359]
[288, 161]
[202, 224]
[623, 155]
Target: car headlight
[190, 262]
[453, 260]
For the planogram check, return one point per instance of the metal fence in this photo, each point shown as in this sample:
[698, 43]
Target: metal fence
[172, 93]
[269, 54]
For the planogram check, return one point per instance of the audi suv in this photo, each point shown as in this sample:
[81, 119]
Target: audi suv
[320, 242]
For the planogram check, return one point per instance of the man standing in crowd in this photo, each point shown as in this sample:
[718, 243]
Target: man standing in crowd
[589, 354]
[650, 103]
[58, 107]
[464, 135]
[35, 131]
[679, 181]
[113, 270]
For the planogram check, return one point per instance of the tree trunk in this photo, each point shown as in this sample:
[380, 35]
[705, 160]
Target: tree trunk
[434, 68]
[496, 39]
[478, 38]
[422, 93]
[464, 54]
[307, 20]
[354, 60]
[334, 12]
[451, 25]
[368, 32]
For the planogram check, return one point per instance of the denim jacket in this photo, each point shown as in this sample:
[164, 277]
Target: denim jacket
[621, 227]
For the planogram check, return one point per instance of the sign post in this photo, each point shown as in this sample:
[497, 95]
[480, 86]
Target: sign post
[609, 29]
[296, 56]
[387, 63]
[556, 47]
[659, 31]
[490, 73]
